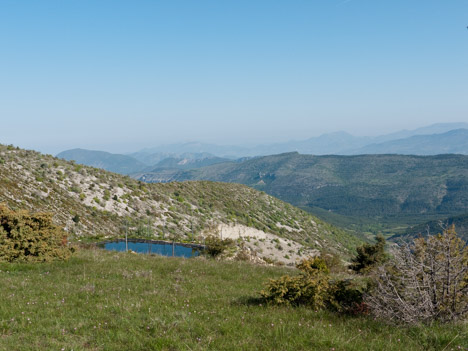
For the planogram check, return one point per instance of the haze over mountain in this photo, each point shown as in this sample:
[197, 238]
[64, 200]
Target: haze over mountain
[437, 128]
[337, 143]
[451, 142]
[152, 158]
[431, 140]
[188, 163]
[117, 163]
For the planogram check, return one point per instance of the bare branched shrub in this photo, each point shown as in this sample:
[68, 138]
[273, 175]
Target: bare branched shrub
[425, 281]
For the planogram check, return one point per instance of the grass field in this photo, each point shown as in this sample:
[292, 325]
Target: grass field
[116, 301]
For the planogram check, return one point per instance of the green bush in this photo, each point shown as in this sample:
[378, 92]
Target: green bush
[215, 246]
[313, 287]
[313, 265]
[303, 289]
[344, 296]
[30, 237]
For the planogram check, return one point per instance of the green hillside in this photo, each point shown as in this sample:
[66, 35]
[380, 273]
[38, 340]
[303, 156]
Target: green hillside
[91, 202]
[437, 226]
[392, 189]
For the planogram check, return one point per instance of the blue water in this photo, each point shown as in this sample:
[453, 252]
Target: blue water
[153, 248]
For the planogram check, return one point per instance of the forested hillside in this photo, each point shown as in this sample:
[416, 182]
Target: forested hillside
[412, 188]
[436, 227]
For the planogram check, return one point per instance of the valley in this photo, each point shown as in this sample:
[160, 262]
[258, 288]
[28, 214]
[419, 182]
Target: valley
[391, 184]
[93, 204]
[366, 192]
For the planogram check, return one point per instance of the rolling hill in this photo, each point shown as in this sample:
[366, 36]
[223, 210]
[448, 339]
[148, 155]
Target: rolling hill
[94, 203]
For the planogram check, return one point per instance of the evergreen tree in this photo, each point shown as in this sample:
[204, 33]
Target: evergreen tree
[368, 256]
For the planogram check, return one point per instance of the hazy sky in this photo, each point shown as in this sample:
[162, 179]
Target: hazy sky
[120, 75]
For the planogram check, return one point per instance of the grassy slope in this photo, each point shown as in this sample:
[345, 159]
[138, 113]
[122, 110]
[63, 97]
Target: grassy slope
[104, 201]
[116, 301]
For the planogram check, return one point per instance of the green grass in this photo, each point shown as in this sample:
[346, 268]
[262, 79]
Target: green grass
[115, 301]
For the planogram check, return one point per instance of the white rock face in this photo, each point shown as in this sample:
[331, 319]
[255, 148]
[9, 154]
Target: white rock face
[265, 245]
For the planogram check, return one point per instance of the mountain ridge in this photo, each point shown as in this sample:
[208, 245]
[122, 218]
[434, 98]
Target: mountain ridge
[451, 142]
[431, 140]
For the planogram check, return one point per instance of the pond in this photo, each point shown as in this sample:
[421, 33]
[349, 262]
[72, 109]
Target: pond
[155, 247]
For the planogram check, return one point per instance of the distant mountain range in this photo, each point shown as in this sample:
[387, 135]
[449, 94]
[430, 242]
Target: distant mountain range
[451, 142]
[432, 140]
[125, 164]
[117, 163]
[338, 143]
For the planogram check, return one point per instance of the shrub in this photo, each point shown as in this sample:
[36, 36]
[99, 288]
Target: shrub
[313, 265]
[313, 287]
[345, 296]
[426, 280]
[308, 288]
[30, 237]
[368, 256]
[76, 218]
[75, 189]
[215, 246]
[303, 289]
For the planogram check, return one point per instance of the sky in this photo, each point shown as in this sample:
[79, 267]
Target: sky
[122, 75]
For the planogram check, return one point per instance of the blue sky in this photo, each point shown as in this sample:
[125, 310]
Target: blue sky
[121, 75]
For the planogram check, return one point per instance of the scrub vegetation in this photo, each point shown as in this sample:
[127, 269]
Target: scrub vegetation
[93, 204]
